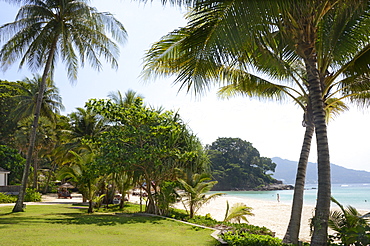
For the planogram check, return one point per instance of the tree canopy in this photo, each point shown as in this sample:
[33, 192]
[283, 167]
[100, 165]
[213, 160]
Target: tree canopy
[236, 164]
[149, 143]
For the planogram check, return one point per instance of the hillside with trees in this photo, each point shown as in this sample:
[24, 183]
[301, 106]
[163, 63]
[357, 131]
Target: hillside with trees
[237, 165]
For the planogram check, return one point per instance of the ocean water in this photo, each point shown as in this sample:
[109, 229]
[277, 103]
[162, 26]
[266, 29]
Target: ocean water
[355, 195]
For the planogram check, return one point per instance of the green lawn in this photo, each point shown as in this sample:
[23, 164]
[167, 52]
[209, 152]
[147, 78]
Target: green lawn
[71, 225]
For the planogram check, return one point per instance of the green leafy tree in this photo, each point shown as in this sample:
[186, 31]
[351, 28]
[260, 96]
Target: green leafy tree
[149, 143]
[8, 124]
[45, 29]
[12, 161]
[236, 164]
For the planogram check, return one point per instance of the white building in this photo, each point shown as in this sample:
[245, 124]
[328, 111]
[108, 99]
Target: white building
[3, 177]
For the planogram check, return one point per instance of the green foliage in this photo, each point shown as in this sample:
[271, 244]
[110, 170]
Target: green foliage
[98, 200]
[32, 195]
[236, 164]
[149, 143]
[195, 187]
[166, 196]
[206, 220]
[8, 124]
[351, 228]
[12, 161]
[237, 212]
[7, 198]
[248, 228]
[247, 239]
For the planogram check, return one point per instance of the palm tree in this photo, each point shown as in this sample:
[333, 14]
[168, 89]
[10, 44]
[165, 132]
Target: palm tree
[29, 88]
[44, 144]
[45, 29]
[195, 189]
[237, 212]
[126, 100]
[85, 125]
[352, 228]
[222, 33]
[83, 176]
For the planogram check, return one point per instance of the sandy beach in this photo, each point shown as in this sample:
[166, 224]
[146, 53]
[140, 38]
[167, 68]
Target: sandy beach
[273, 215]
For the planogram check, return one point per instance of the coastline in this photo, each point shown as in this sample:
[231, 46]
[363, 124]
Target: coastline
[272, 215]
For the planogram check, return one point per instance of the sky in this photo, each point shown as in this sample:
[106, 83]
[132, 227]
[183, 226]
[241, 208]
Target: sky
[274, 129]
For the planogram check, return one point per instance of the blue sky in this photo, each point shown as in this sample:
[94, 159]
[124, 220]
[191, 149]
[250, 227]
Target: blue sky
[273, 128]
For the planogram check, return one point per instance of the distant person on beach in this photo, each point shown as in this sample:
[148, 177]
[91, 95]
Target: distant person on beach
[278, 197]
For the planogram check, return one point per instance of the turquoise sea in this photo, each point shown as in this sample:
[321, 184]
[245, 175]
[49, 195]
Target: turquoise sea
[356, 195]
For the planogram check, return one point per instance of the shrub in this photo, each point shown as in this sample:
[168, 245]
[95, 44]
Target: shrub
[252, 229]
[204, 220]
[7, 198]
[247, 239]
[32, 195]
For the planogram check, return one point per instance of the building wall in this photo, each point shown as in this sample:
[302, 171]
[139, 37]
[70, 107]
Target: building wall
[3, 179]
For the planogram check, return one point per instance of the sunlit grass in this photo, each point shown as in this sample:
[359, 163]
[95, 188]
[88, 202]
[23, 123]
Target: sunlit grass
[71, 225]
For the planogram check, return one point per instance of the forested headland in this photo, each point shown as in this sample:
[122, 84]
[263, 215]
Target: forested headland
[237, 165]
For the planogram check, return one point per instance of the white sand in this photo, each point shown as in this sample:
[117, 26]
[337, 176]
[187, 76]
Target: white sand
[273, 215]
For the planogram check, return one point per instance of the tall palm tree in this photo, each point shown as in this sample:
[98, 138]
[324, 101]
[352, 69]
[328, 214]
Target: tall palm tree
[240, 33]
[29, 88]
[46, 29]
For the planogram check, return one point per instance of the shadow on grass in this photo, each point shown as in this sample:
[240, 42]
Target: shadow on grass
[72, 215]
[102, 219]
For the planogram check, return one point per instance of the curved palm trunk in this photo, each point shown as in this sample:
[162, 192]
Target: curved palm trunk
[322, 210]
[292, 233]
[19, 204]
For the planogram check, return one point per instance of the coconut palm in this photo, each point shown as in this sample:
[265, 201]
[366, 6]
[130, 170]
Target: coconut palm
[195, 189]
[85, 125]
[126, 100]
[238, 34]
[29, 88]
[237, 212]
[46, 29]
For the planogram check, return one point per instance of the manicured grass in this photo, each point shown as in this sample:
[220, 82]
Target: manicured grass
[71, 225]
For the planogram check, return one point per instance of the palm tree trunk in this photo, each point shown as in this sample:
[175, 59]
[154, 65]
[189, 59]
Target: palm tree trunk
[292, 233]
[19, 204]
[90, 210]
[35, 167]
[322, 210]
